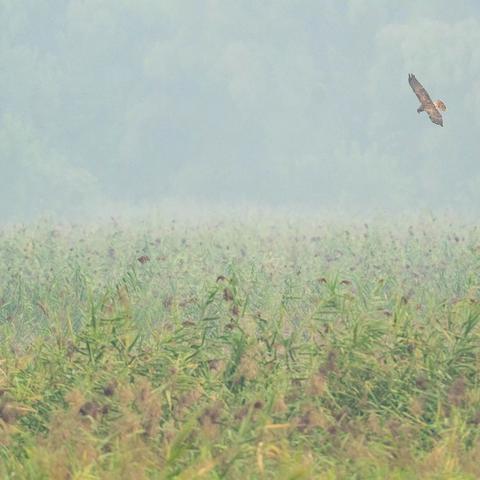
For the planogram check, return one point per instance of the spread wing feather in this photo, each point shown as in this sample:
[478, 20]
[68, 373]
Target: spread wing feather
[435, 115]
[425, 100]
[419, 90]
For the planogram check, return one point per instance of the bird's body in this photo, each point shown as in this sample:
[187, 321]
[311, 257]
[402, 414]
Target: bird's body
[433, 109]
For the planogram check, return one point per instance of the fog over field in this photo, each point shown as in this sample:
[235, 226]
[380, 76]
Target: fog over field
[275, 103]
[230, 248]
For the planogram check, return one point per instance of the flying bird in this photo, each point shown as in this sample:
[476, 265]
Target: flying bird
[433, 109]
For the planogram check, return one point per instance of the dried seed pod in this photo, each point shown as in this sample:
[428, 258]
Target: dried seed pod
[92, 409]
[109, 389]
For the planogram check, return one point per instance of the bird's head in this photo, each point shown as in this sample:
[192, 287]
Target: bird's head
[440, 105]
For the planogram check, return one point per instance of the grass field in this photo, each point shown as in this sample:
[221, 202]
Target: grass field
[256, 348]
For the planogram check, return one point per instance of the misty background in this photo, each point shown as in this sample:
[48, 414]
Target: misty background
[274, 102]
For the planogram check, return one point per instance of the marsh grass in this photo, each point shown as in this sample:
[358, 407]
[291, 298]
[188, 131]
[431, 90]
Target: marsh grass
[240, 349]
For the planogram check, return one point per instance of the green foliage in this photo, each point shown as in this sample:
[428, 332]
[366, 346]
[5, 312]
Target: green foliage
[226, 350]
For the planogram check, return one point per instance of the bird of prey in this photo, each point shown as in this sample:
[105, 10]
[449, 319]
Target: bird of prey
[433, 109]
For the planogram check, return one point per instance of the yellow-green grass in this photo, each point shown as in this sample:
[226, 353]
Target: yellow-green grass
[269, 349]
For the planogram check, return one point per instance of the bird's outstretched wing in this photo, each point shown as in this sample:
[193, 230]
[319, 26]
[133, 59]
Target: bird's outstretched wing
[435, 115]
[419, 90]
[427, 104]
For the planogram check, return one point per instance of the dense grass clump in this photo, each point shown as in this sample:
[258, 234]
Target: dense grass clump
[258, 349]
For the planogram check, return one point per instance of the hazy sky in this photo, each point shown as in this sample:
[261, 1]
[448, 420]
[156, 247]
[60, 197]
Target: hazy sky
[273, 102]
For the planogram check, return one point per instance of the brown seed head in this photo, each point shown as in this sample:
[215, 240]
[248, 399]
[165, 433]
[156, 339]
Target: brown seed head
[8, 412]
[227, 295]
[92, 409]
[109, 389]
[457, 391]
